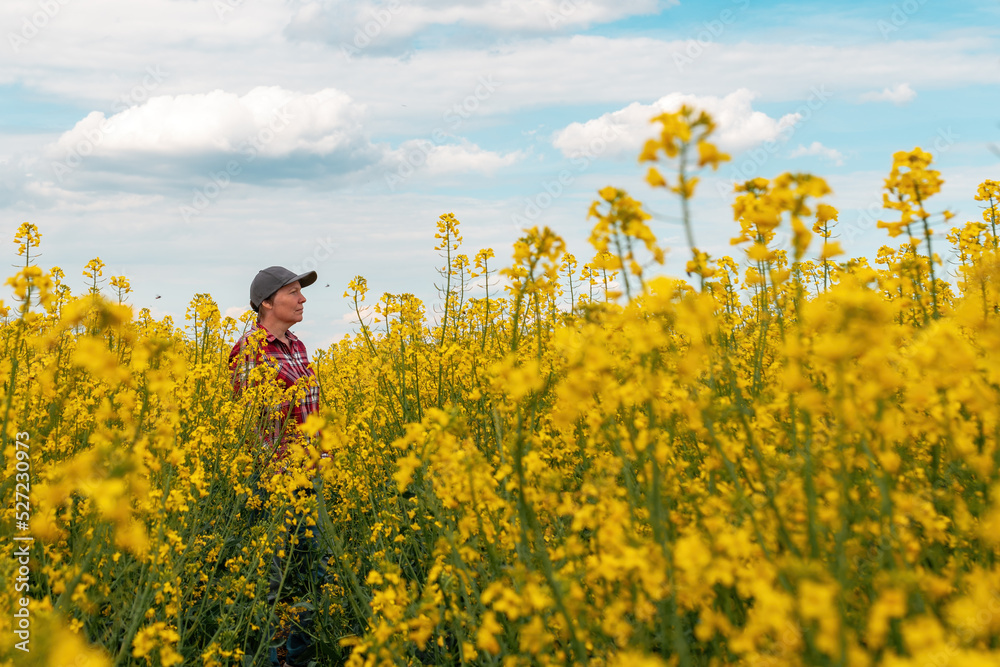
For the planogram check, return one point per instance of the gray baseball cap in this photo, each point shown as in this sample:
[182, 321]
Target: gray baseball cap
[270, 280]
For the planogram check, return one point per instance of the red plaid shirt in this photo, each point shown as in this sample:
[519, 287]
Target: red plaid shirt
[293, 368]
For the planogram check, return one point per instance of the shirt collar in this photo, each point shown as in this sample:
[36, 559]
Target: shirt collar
[272, 338]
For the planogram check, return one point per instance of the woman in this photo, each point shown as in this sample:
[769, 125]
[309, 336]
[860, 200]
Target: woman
[276, 297]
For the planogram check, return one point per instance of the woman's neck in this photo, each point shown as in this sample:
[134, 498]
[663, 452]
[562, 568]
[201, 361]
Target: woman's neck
[276, 329]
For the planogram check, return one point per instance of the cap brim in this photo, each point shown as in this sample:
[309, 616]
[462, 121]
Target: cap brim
[305, 279]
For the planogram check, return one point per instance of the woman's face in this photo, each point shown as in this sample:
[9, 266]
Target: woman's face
[286, 304]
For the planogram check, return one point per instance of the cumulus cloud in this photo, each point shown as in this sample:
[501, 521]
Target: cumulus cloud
[464, 157]
[468, 157]
[819, 150]
[267, 135]
[899, 94]
[271, 120]
[624, 131]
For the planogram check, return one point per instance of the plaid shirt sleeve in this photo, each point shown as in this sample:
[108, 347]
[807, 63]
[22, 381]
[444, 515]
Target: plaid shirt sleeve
[294, 369]
[242, 360]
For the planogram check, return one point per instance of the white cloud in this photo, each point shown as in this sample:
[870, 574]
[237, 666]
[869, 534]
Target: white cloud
[624, 131]
[235, 312]
[899, 94]
[381, 25]
[291, 135]
[818, 149]
[421, 155]
[270, 121]
[560, 70]
[467, 157]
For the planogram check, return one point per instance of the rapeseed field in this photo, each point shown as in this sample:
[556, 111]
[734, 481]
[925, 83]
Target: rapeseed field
[778, 461]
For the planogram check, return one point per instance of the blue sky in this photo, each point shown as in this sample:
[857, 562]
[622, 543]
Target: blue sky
[189, 144]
